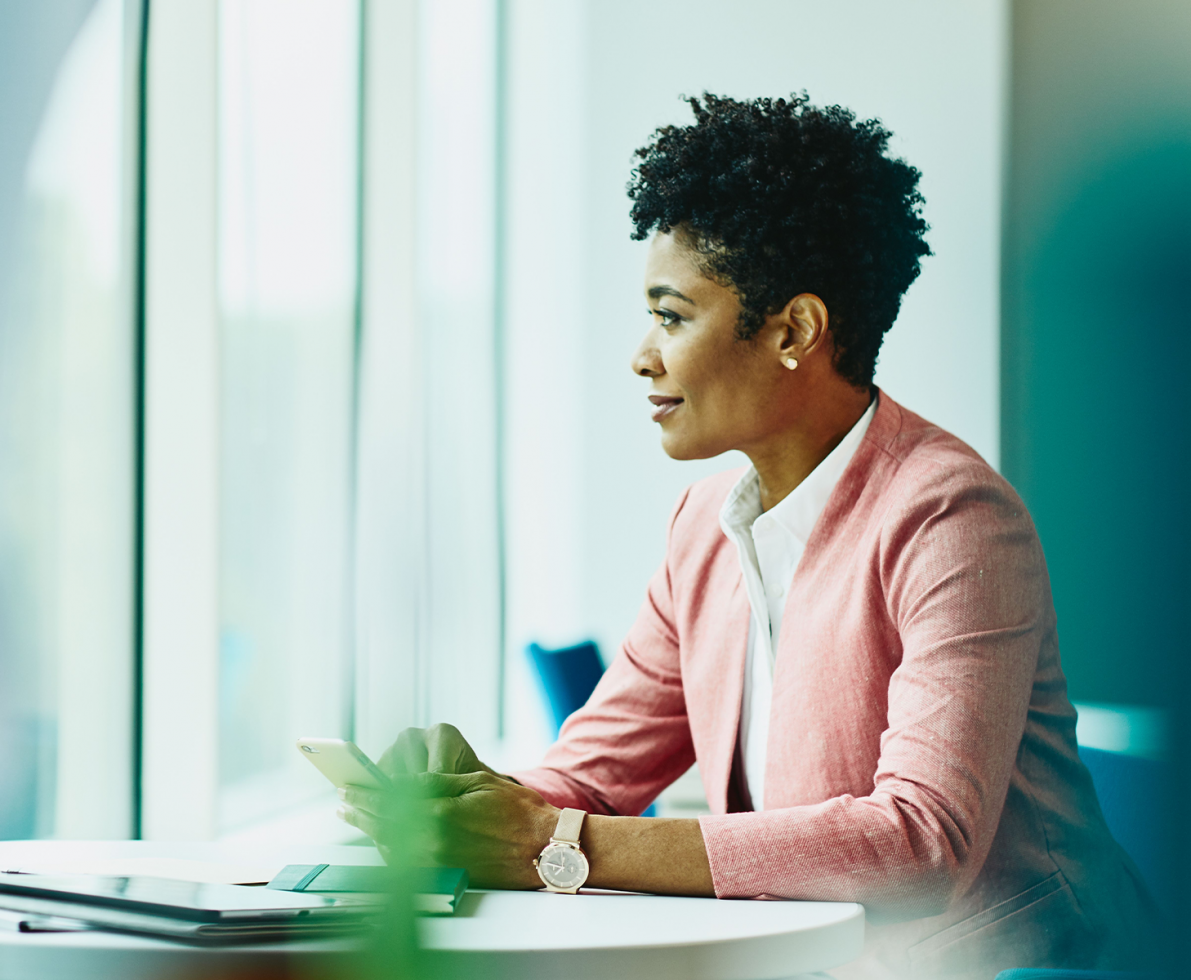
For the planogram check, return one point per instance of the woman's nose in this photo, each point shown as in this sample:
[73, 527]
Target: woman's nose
[647, 359]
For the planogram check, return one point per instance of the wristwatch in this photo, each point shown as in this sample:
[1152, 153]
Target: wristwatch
[562, 865]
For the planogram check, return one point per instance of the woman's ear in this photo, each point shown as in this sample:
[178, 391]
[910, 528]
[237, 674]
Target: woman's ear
[802, 328]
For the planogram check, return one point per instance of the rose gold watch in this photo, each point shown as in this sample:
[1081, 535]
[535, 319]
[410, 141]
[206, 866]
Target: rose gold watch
[562, 865]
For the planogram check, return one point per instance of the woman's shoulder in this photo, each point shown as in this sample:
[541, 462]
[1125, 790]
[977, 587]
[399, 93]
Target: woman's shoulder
[921, 456]
[923, 473]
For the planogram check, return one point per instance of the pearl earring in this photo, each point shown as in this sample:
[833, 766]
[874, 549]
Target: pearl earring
[791, 363]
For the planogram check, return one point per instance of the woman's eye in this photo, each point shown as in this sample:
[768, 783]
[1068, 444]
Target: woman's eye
[666, 317]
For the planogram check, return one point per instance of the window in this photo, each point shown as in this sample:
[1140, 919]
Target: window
[67, 425]
[321, 520]
[251, 343]
[287, 212]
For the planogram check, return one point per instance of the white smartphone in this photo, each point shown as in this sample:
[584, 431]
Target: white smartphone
[343, 763]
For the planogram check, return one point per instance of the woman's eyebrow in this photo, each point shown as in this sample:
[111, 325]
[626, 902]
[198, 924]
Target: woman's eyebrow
[657, 292]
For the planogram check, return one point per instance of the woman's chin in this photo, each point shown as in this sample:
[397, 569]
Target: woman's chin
[676, 447]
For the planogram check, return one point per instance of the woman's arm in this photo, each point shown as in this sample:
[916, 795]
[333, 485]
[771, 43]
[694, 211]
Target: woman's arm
[662, 855]
[495, 828]
[473, 817]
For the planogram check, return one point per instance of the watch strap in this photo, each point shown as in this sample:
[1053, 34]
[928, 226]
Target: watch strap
[570, 823]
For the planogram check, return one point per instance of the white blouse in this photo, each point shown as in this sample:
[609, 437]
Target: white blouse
[770, 545]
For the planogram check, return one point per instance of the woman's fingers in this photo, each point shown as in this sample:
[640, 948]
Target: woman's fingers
[424, 842]
[438, 785]
[363, 799]
[407, 754]
[448, 751]
[363, 821]
[429, 786]
[475, 820]
[439, 748]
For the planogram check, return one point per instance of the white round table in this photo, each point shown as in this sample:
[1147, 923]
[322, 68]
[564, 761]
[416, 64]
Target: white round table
[506, 935]
[497, 935]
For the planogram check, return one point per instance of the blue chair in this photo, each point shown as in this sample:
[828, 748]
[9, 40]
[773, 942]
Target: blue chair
[1133, 795]
[1132, 790]
[568, 677]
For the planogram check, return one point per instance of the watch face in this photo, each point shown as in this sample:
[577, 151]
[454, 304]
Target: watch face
[562, 866]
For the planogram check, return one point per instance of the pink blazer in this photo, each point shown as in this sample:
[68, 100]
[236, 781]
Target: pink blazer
[922, 756]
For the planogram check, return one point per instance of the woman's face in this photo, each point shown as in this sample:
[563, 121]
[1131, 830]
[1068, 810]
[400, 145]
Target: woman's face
[710, 391]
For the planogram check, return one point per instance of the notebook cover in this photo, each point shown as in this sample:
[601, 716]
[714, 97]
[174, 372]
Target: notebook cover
[436, 890]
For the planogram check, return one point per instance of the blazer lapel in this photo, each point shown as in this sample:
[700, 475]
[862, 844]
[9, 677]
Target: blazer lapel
[863, 475]
[723, 659]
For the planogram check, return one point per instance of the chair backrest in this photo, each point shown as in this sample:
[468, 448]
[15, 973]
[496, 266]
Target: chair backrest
[1132, 791]
[568, 677]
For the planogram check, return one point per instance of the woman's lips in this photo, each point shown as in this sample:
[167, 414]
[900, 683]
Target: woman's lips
[663, 405]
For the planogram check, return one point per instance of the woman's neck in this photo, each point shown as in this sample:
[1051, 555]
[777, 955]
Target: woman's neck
[790, 455]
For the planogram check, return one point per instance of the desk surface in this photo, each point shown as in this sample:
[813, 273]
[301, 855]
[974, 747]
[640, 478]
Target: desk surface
[496, 934]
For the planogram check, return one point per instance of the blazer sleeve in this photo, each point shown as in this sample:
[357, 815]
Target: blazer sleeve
[964, 582]
[632, 738]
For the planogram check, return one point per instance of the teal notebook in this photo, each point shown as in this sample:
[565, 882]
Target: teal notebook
[437, 891]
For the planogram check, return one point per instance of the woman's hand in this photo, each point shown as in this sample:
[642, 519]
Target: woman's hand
[480, 821]
[450, 809]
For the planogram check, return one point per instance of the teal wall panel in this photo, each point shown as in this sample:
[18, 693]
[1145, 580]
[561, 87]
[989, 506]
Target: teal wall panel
[1096, 330]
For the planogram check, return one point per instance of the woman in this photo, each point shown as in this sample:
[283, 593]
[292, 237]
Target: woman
[854, 637]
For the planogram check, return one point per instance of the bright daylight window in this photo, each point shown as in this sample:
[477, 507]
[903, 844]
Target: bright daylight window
[287, 217]
[67, 423]
[299, 514]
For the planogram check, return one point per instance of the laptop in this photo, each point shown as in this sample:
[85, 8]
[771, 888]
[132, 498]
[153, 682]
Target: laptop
[175, 909]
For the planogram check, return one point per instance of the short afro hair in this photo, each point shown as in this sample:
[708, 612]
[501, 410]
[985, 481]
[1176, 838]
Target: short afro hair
[782, 198]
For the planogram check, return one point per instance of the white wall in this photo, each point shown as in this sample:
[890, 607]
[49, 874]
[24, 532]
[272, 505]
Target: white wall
[588, 487]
